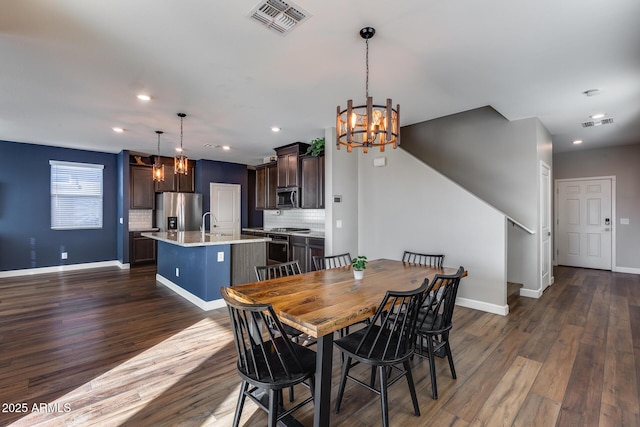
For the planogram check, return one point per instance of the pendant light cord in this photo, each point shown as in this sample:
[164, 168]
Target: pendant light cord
[181, 149]
[367, 68]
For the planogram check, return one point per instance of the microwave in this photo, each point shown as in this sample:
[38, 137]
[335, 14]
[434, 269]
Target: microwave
[287, 197]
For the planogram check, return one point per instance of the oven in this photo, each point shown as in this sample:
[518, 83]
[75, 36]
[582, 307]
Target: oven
[278, 248]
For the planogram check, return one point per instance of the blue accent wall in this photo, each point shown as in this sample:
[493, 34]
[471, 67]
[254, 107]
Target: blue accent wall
[208, 171]
[26, 238]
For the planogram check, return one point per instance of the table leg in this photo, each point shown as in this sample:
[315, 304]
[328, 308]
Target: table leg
[324, 361]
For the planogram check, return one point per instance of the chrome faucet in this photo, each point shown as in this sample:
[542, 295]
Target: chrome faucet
[203, 227]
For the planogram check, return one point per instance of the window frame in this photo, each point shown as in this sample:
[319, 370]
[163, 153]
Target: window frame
[77, 208]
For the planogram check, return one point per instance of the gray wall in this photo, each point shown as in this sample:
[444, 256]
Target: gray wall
[499, 161]
[623, 163]
[485, 153]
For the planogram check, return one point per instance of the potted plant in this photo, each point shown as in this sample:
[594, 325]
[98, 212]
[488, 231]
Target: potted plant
[316, 148]
[359, 263]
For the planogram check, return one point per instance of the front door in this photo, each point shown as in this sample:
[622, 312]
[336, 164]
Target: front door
[225, 208]
[584, 223]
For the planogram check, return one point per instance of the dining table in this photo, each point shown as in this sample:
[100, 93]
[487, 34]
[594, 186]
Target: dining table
[322, 302]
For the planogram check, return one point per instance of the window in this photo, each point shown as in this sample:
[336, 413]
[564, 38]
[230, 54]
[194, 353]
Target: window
[76, 195]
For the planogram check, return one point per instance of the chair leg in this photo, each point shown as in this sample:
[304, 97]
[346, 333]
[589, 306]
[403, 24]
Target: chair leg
[384, 399]
[240, 404]
[432, 368]
[291, 395]
[373, 377]
[343, 382]
[412, 388]
[450, 357]
[273, 408]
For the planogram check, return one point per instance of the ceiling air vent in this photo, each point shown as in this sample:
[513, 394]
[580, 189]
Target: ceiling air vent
[279, 16]
[592, 123]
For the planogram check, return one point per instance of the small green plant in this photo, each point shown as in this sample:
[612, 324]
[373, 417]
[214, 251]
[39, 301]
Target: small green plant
[359, 262]
[316, 148]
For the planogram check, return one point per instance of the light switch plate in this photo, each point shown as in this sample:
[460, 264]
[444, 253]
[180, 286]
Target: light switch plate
[220, 256]
[339, 223]
[624, 221]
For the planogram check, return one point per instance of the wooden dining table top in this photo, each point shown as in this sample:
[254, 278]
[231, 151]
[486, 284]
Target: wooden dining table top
[321, 302]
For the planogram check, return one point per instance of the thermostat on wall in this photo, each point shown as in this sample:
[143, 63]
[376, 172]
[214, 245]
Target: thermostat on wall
[380, 161]
[337, 199]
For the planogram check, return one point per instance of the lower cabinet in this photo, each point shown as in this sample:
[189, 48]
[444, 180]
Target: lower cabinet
[141, 249]
[304, 249]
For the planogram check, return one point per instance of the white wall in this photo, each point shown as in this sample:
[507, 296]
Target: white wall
[341, 179]
[408, 205]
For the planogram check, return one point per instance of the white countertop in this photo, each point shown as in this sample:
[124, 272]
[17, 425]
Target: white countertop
[194, 238]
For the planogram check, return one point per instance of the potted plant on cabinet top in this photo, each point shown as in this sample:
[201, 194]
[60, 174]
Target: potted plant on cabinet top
[359, 263]
[316, 148]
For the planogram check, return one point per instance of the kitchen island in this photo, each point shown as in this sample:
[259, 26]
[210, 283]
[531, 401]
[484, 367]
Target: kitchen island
[196, 266]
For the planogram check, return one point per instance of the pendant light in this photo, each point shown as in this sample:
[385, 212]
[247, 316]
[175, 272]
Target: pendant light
[368, 125]
[180, 163]
[158, 167]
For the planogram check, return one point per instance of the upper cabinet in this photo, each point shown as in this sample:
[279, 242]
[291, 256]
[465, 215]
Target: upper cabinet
[312, 182]
[141, 191]
[266, 184]
[289, 164]
[176, 182]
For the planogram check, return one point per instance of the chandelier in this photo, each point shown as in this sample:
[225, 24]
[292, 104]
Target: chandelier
[180, 162]
[368, 125]
[158, 167]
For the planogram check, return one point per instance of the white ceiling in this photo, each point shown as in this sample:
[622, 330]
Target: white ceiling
[70, 70]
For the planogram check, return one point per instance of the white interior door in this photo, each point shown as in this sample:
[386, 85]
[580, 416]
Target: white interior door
[585, 223]
[225, 208]
[545, 225]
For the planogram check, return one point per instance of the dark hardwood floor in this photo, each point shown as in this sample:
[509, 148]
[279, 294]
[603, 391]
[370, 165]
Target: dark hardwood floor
[111, 347]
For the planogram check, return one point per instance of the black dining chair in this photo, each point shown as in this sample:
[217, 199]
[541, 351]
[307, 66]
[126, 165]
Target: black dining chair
[331, 261]
[435, 322]
[274, 271]
[266, 360]
[389, 340]
[428, 260]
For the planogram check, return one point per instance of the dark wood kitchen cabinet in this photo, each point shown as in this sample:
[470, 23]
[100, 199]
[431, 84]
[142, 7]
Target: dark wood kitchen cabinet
[289, 164]
[304, 249]
[266, 184]
[312, 182]
[141, 249]
[141, 191]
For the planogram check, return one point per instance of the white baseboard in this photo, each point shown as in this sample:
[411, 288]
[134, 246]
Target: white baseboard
[61, 268]
[627, 270]
[530, 293]
[483, 306]
[200, 303]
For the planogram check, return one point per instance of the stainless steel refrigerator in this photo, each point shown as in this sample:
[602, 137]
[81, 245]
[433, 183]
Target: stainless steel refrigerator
[179, 211]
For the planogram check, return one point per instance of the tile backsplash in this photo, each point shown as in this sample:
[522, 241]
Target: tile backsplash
[140, 219]
[302, 218]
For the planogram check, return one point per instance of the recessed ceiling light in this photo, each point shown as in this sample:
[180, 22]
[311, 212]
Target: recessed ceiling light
[598, 116]
[179, 150]
[118, 130]
[275, 129]
[592, 92]
[143, 97]
[226, 147]
[577, 141]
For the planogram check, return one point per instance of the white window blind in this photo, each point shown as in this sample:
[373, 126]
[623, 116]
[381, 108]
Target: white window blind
[76, 195]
